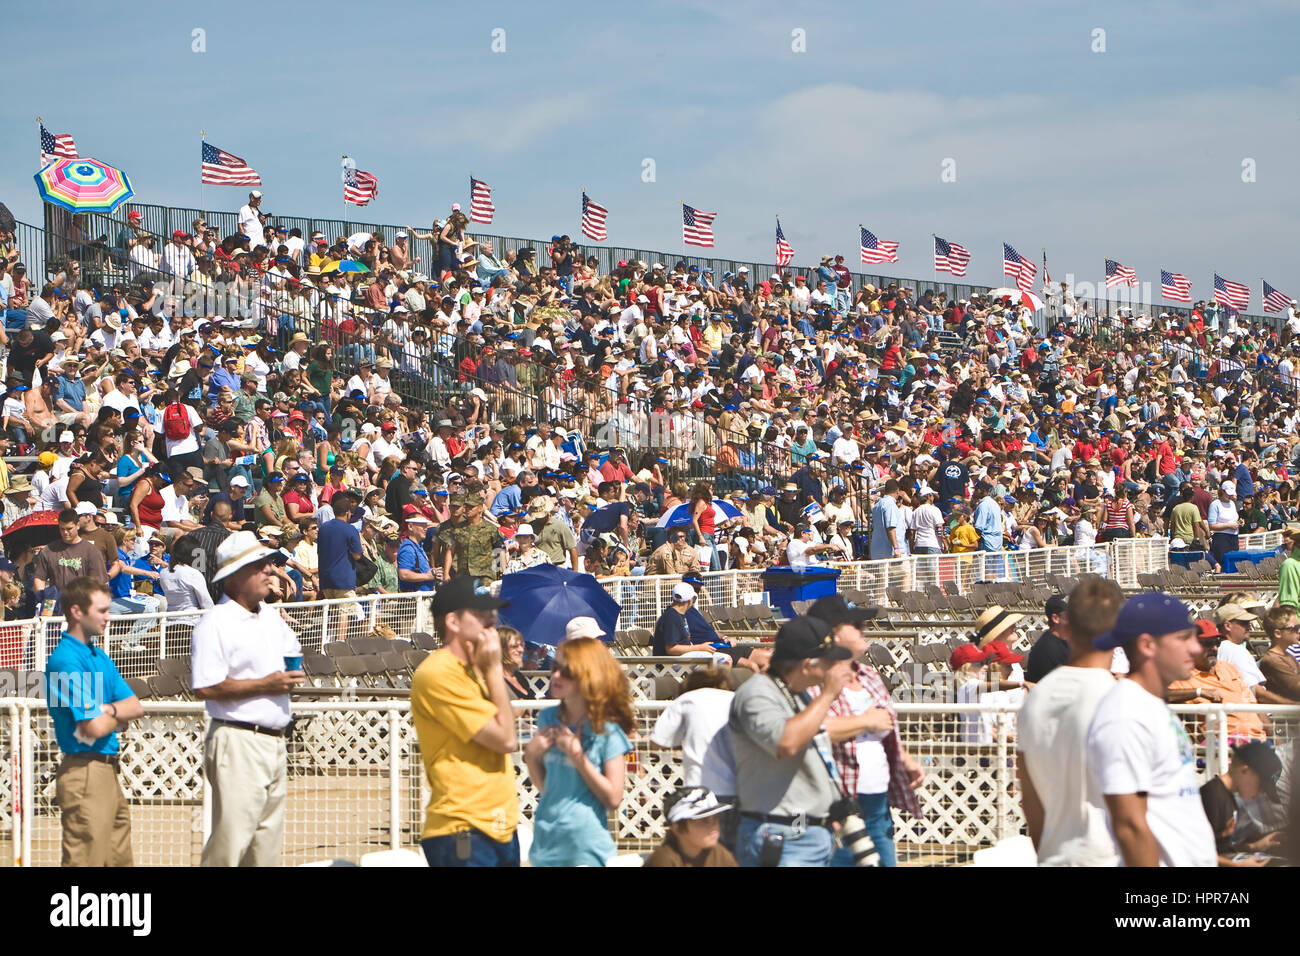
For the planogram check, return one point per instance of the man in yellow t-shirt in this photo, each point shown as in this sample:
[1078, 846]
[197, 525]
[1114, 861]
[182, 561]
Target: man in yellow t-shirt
[466, 728]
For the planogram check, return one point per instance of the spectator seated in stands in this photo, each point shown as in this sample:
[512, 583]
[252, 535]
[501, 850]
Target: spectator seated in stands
[1280, 664]
[1214, 681]
[694, 817]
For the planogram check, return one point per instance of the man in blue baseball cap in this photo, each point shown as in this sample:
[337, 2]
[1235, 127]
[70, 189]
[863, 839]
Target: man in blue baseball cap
[1138, 752]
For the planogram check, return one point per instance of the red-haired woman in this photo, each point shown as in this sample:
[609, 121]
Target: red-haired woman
[577, 757]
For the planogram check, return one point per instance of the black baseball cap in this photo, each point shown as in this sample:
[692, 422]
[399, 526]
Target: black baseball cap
[803, 637]
[1056, 604]
[1259, 757]
[463, 593]
[833, 609]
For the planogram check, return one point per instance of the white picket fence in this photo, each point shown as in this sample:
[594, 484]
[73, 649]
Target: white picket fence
[356, 782]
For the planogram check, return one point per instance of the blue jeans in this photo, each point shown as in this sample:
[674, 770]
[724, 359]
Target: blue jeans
[15, 319]
[811, 848]
[483, 850]
[880, 824]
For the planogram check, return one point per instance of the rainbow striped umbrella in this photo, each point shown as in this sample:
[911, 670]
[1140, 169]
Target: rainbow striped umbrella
[83, 185]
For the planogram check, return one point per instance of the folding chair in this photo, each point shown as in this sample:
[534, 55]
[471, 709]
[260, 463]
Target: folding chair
[140, 687]
[415, 658]
[395, 666]
[321, 670]
[337, 649]
[424, 641]
[165, 687]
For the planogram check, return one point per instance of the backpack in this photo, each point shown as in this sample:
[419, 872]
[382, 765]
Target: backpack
[176, 422]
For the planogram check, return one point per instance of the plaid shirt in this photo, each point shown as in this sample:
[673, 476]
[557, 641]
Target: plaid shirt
[901, 794]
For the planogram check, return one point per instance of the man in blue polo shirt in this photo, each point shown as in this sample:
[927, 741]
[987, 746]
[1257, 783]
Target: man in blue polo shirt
[413, 571]
[338, 545]
[89, 702]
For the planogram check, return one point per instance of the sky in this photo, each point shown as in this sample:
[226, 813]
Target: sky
[1127, 144]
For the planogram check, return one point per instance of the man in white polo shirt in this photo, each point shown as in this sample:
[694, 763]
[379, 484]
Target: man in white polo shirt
[244, 660]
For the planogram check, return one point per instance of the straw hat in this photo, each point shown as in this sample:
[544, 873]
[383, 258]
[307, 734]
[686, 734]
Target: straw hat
[995, 621]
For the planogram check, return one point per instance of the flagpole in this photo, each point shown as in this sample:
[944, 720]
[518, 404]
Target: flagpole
[40, 120]
[203, 187]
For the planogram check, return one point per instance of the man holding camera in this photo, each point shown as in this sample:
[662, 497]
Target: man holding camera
[783, 771]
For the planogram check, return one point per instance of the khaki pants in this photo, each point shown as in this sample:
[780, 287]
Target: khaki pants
[248, 774]
[96, 819]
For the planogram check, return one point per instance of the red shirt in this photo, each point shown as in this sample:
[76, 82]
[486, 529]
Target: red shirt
[612, 472]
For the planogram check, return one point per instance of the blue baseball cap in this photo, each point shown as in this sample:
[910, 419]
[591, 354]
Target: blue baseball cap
[1153, 612]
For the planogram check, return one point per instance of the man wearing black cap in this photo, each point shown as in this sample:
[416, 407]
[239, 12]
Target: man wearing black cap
[1051, 650]
[1252, 772]
[1138, 752]
[783, 774]
[466, 728]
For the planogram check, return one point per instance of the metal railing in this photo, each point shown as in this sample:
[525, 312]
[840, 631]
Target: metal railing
[356, 782]
[160, 221]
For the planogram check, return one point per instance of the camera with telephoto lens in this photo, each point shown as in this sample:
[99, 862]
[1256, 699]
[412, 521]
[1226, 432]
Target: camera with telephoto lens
[853, 832]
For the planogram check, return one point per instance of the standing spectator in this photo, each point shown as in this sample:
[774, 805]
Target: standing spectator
[782, 779]
[887, 524]
[1288, 575]
[577, 757]
[1064, 809]
[69, 558]
[873, 765]
[1138, 753]
[339, 545]
[696, 721]
[237, 658]
[251, 219]
[183, 584]
[466, 730]
[1224, 523]
[1052, 649]
[89, 703]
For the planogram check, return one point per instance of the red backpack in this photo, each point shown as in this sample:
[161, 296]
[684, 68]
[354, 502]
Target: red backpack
[176, 421]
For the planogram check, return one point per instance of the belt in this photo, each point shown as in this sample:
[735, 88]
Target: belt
[255, 728]
[113, 759]
[800, 822]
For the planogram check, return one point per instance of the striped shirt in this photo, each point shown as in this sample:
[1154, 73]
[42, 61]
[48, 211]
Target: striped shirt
[1117, 514]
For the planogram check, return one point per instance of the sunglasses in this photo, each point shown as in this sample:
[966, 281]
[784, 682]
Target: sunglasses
[562, 670]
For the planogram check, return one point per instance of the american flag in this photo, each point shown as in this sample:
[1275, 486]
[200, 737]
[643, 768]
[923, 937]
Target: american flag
[950, 257]
[1018, 267]
[784, 253]
[56, 146]
[1175, 286]
[877, 250]
[1231, 293]
[1047, 276]
[360, 187]
[226, 169]
[697, 227]
[593, 220]
[1117, 274]
[480, 201]
[1275, 300]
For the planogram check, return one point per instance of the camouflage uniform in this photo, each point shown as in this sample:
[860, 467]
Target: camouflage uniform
[472, 547]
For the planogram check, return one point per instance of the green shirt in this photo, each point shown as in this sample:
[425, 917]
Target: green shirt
[1288, 582]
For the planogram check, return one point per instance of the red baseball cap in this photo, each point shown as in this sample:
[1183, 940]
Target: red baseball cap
[967, 654]
[388, 427]
[134, 214]
[1208, 629]
[999, 651]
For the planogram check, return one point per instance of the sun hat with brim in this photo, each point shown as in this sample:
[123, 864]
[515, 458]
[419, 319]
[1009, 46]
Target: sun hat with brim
[582, 626]
[240, 550]
[993, 622]
[693, 803]
[1152, 612]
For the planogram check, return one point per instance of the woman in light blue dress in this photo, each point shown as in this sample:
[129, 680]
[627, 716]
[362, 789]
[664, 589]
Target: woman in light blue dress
[578, 769]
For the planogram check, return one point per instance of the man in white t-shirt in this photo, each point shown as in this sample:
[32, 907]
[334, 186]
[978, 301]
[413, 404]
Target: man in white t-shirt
[1139, 755]
[926, 523]
[696, 721]
[251, 219]
[1064, 809]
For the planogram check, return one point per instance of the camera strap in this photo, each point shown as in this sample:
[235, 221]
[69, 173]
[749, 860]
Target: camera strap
[821, 742]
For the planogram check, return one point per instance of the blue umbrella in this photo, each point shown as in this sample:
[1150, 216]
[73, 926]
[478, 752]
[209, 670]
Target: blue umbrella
[545, 598]
[681, 515]
[606, 517]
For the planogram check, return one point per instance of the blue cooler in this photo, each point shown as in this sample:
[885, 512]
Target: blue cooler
[1184, 558]
[786, 585]
[1234, 558]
